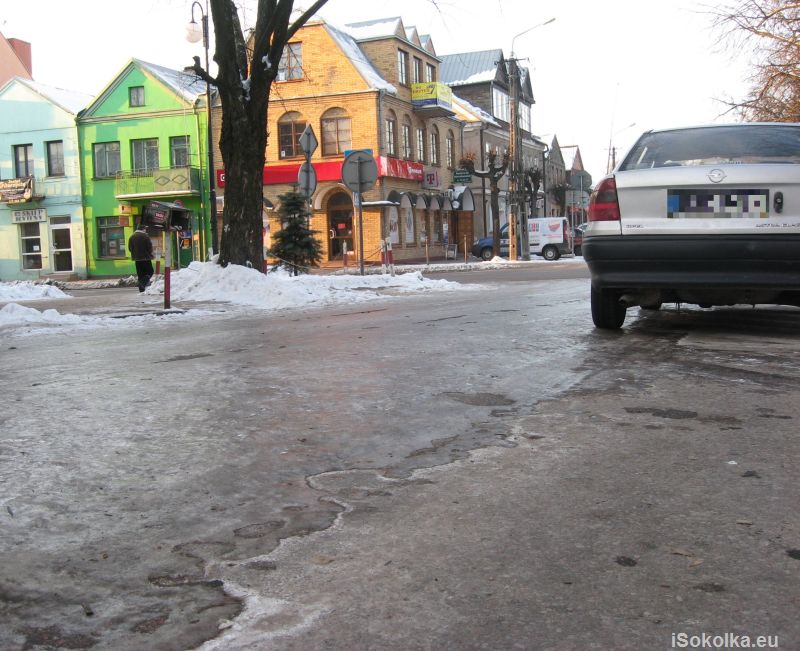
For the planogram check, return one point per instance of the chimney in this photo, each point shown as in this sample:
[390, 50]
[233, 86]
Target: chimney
[23, 51]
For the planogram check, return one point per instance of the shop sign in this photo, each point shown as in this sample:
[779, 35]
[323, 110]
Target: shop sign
[25, 216]
[401, 169]
[16, 190]
[430, 179]
[462, 176]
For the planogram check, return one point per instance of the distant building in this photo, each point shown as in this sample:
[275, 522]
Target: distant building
[16, 59]
[483, 88]
[143, 139]
[41, 214]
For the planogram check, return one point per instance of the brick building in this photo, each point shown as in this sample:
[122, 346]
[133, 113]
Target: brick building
[369, 86]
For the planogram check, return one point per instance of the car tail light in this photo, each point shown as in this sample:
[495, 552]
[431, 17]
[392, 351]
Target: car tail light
[603, 204]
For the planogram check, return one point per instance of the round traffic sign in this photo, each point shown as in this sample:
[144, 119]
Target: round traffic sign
[359, 171]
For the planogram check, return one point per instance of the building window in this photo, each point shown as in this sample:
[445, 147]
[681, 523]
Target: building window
[430, 72]
[31, 246]
[106, 159]
[402, 67]
[179, 151]
[407, 150]
[434, 146]
[525, 117]
[290, 127]
[136, 95]
[391, 134]
[111, 237]
[291, 65]
[451, 150]
[144, 155]
[23, 161]
[417, 70]
[500, 104]
[336, 132]
[421, 145]
[55, 158]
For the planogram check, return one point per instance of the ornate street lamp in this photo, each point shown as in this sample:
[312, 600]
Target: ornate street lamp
[194, 33]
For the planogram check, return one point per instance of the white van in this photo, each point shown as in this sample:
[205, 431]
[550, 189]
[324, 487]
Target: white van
[549, 237]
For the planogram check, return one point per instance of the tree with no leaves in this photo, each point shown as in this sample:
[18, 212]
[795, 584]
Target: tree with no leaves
[494, 172]
[774, 28]
[244, 80]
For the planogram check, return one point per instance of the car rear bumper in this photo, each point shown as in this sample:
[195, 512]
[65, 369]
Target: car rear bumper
[669, 261]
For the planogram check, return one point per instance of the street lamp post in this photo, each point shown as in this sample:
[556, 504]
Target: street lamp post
[516, 177]
[193, 35]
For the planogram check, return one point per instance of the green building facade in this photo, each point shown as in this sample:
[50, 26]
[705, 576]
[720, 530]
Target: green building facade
[143, 140]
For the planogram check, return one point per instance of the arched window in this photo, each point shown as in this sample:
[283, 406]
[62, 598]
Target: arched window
[406, 146]
[434, 146]
[336, 132]
[290, 128]
[391, 133]
[451, 150]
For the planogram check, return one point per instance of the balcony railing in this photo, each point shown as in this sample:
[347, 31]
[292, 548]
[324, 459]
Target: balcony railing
[163, 182]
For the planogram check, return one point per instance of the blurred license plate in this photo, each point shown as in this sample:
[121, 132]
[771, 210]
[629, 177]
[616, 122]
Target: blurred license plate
[708, 204]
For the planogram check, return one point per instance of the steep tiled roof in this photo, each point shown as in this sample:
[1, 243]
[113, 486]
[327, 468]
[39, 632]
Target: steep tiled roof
[469, 67]
[379, 28]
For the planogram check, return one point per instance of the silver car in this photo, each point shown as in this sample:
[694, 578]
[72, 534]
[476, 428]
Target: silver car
[703, 215]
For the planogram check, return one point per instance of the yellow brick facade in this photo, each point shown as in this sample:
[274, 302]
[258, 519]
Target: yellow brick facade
[330, 81]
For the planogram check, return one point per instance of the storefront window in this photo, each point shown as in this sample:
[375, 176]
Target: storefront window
[31, 246]
[111, 237]
[409, 236]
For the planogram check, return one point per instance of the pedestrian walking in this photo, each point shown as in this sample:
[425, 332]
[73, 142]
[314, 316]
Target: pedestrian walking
[141, 249]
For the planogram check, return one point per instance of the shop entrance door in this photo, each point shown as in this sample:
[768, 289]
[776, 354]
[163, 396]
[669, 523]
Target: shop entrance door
[61, 244]
[340, 225]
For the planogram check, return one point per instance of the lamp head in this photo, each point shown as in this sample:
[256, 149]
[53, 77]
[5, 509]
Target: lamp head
[194, 32]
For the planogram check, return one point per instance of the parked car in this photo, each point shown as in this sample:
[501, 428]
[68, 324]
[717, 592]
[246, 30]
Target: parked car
[577, 239]
[703, 215]
[547, 236]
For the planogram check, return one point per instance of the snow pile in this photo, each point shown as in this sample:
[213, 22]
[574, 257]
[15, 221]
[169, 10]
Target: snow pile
[14, 314]
[24, 290]
[207, 281]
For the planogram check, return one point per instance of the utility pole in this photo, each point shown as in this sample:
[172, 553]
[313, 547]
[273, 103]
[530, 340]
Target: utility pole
[515, 182]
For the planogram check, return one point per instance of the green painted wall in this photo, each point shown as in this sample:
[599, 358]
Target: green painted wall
[165, 114]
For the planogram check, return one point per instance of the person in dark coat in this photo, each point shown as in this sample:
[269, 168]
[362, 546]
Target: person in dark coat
[141, 249]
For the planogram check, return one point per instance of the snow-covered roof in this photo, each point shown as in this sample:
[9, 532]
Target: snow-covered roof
[186, 84]
[469, 67]
[464, 110]
[70, 100]
[348, 45]
[379, 28]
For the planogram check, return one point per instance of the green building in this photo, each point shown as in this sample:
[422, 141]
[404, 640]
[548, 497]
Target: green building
[143, 140]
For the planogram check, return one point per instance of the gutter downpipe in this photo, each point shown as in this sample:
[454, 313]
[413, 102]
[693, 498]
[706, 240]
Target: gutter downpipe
[381, 93]
[203, 253]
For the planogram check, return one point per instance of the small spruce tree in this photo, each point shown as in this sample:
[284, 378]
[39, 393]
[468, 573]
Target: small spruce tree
[295, 245]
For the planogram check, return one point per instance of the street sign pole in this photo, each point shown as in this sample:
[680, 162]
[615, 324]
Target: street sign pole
[360, 223]
[359, 174]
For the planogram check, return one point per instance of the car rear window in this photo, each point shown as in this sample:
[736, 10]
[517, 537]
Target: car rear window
[751, 143]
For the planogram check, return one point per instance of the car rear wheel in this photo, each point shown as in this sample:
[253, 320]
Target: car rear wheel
[550, 253]
[607, 312]
[487, 254]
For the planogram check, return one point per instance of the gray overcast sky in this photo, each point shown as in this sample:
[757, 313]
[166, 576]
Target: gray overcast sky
[598, 68]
